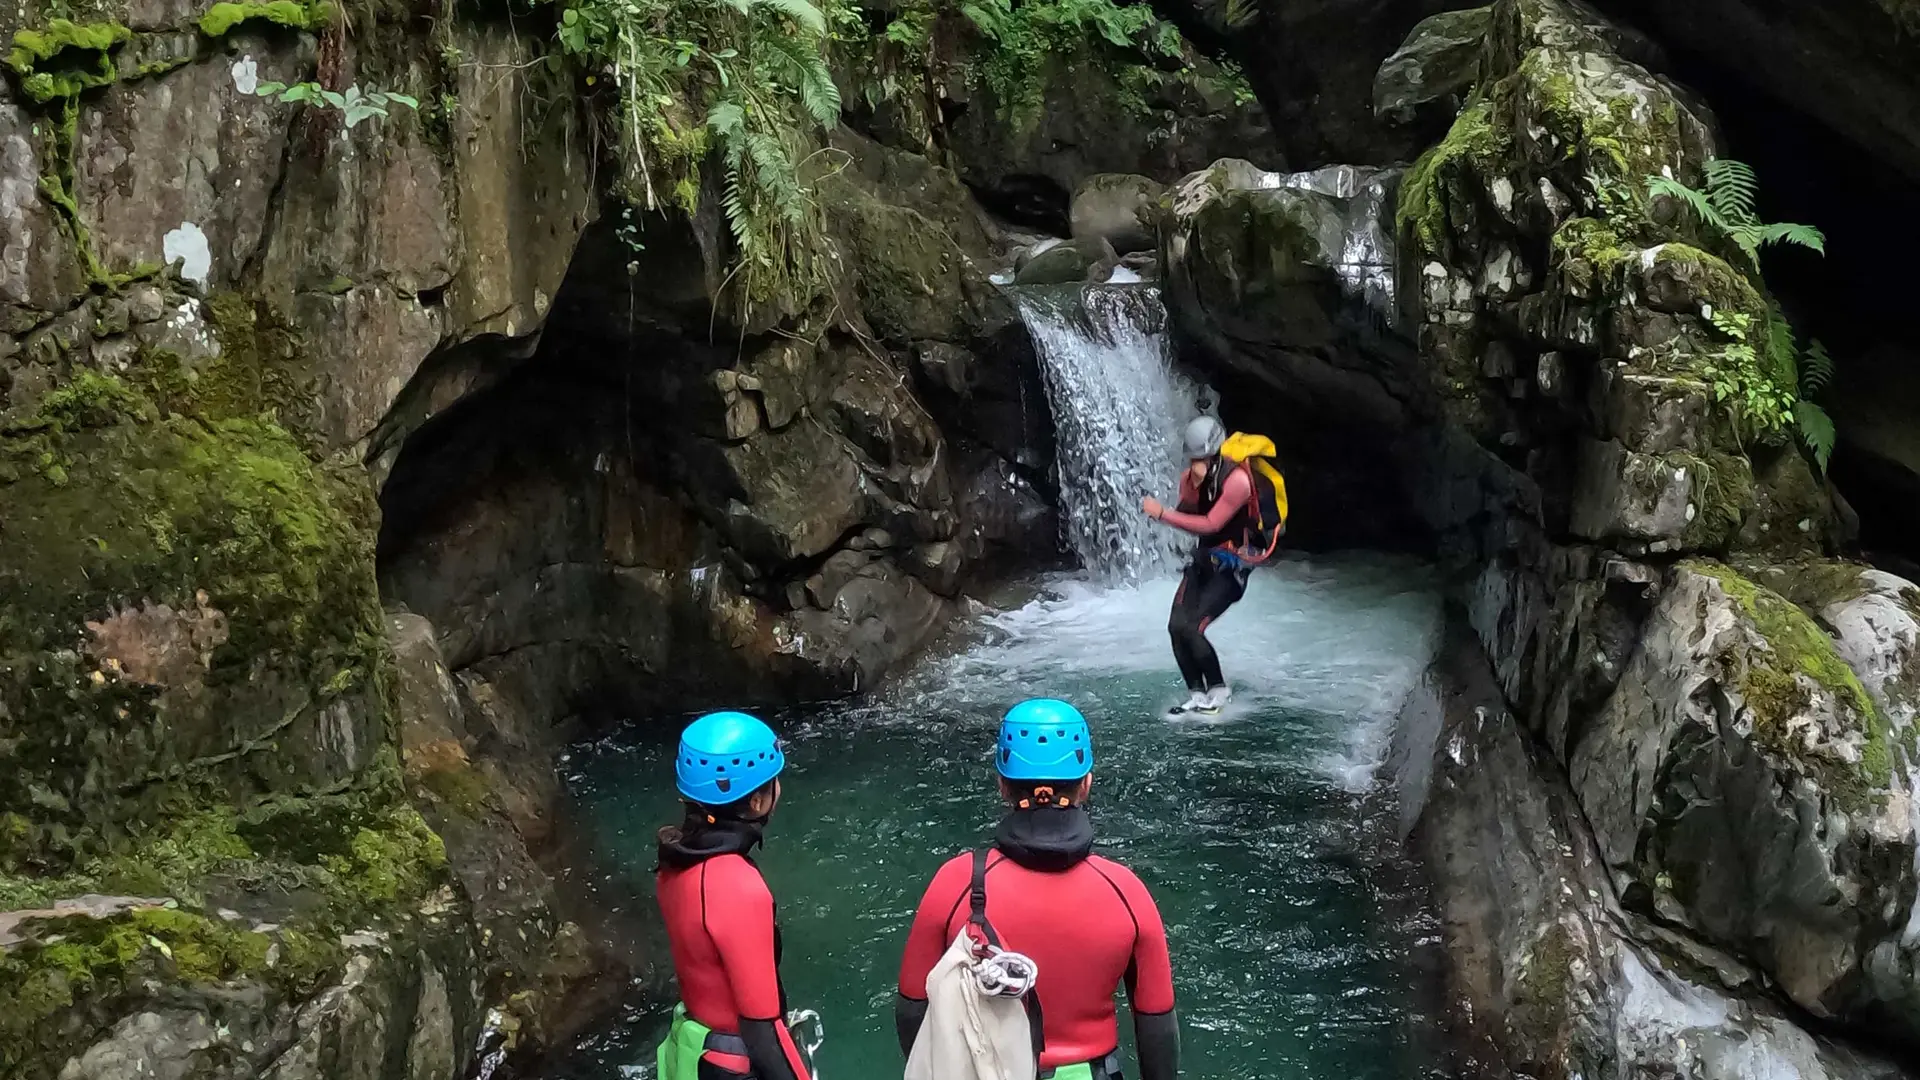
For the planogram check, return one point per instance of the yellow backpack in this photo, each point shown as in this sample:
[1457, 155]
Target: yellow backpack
[1269, 494]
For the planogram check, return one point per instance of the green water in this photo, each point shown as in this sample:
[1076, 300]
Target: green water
[1297, 935]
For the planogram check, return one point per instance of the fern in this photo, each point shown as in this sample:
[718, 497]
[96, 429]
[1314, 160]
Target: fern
[801, 65]
[1733, 189]
[1783, 350]
[1727, 206]
[800, 11]
[1816, 430]
[1816, 368]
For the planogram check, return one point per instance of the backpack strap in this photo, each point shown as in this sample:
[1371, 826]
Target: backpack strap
[977, 900]
[977, 915]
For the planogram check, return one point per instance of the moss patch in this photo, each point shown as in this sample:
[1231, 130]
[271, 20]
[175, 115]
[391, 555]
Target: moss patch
[75, 959]
[1722, 495]
[1799, 647]
[64, 58]
[459, 786]
[116, 503]
[1431, 193]
[220, 19]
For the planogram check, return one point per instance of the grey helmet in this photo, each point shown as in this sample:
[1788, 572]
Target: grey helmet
[1204, 437]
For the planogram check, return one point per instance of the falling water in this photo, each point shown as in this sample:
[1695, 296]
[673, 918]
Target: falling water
[1118, 410]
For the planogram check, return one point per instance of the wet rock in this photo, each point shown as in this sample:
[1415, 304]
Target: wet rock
[878, 616]
[1874, 617]
[1434, 68]
[1651, 414]
[1027, 161]
[1555, 976]
[797, 492]
[1622, 495]
[39, 267]
[508, 152]
[1116, 208]
[1068, 262]
[1736, 722]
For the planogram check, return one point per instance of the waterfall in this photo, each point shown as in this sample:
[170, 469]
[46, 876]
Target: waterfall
[1118, 413]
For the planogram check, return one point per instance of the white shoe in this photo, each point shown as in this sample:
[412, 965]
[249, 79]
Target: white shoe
[1214, 700]
[1195, 701]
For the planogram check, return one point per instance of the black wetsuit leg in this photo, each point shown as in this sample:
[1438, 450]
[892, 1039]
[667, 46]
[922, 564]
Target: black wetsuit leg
[1206, 591]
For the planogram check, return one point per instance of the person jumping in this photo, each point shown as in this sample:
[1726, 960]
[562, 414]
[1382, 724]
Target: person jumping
[1236, 503]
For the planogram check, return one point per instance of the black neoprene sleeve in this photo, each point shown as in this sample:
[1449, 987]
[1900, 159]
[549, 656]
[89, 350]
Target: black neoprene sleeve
[1156, 1037]
[765, 1051]
[907, 1015]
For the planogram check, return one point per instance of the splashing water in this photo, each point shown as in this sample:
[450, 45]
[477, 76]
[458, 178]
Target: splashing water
[1118, 410]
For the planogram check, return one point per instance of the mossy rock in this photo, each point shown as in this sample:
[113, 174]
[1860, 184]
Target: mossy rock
[1443, 195]
[307, 872]
[1778, 682]
[64, 58]
[222, 18]
[182, 600]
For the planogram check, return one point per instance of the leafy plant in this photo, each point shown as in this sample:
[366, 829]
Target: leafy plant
[354, 103]
[1726, 205]
[1025, 35]
[1810, 370]
[744, 76]
[1759, 401]
[1776, 395]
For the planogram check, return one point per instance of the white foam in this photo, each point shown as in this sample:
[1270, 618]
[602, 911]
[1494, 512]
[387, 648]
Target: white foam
[1343, 639]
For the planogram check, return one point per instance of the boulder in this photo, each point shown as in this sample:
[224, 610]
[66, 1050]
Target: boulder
[1736, 723]
[1434, 68]
[1117, 208]
[1555, 973]
[1068, 262]
[1026, 158]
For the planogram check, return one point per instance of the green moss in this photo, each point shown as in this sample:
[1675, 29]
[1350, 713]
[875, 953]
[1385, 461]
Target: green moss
[1714, 280]
[383, 866]
[220, 19]
[70, 959]
[1590, 256]
[1722, 494]
[1430, 188]
[1541, 994]
[180, 510]
[1797, 646]
[65, 58]
[459, 786]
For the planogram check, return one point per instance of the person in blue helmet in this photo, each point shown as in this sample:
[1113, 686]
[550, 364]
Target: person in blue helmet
[731, 1020]
[1087, 922]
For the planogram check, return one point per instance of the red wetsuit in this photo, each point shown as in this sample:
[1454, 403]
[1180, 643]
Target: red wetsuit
[1088, 928]
[720, 925]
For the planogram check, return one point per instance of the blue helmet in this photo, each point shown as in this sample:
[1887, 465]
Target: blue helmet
[724, 757]
[1044, 739]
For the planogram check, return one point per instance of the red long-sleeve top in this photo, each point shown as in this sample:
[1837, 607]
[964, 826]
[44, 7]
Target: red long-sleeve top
[720, 928]
[1088, 928]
